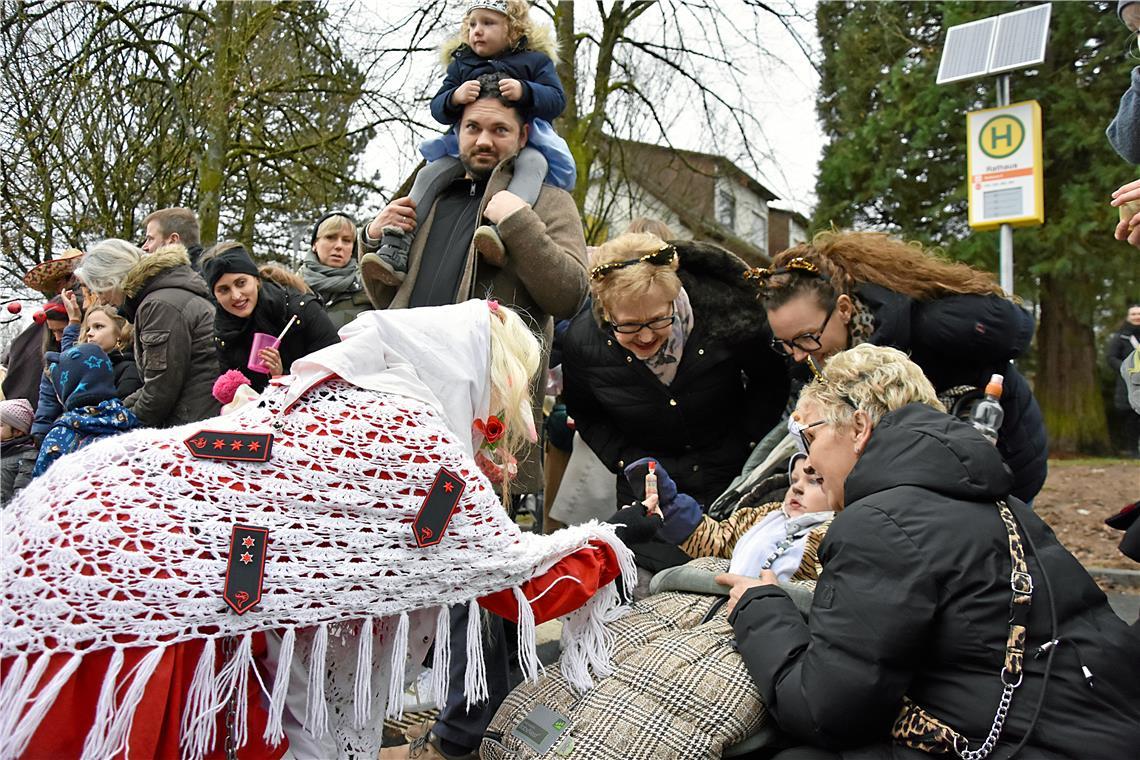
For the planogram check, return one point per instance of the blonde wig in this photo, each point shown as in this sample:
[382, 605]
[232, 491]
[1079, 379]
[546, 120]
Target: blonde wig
[516, 355]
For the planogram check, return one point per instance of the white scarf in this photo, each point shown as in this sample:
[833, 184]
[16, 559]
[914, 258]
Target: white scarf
[775, 543]
[349, 472]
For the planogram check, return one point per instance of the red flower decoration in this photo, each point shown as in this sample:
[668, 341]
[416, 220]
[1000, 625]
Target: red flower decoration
[492, 430]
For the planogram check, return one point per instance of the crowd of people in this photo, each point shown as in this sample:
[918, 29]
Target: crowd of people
[787, 452]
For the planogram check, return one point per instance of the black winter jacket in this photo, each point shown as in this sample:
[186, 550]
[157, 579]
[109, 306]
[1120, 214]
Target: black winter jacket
[1118, 349]
[127, 377]
[962, 340]
[914, 599]
[543, 96]
[729, 390]
[276, 305]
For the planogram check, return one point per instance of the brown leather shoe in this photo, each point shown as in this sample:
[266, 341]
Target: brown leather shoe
[422, 745]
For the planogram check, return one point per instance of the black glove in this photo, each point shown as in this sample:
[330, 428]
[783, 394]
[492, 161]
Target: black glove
[635, 526]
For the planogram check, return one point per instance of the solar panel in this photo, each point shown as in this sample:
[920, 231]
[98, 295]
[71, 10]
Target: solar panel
[996, 44]
[967, 50]
[1020, 39]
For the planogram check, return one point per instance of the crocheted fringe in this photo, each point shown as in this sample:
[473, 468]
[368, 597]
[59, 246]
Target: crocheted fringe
[441, 659]
[475, 676]
[31, 720]
[587, 643]
[316, 709]
[202, 703]
[528, 648]
[274, 729]
[234, 684]
[10, 706]
[119, 732]
[399, 663]
[362, 704]
[93, 745]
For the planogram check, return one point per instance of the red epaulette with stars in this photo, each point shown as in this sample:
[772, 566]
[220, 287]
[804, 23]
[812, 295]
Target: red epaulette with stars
[245, 567]
[230, 446]
[439, 505]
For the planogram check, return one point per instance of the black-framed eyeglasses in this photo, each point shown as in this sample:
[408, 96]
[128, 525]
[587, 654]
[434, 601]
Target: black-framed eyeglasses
[808, 342]
[660, 323]
[660, 257]
[797, 431]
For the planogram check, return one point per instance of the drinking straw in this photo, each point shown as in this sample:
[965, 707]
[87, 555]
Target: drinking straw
[282, 335]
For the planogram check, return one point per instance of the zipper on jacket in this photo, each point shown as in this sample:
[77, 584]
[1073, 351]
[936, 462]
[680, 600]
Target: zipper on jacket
[471, 194]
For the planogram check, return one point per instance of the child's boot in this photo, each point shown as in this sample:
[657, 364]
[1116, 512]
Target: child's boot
[490, 245]
[389, 265]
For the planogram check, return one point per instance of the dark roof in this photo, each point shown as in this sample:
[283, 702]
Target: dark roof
[684, 181]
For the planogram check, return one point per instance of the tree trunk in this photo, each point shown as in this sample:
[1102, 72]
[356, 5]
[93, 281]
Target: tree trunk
[1066, 385]
[217, 103]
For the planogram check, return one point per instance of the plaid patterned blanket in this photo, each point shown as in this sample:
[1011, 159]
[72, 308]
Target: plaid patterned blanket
[678, 690]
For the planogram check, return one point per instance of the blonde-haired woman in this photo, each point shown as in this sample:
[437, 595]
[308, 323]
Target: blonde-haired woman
[673, 363]
[847, 288]
[330, 269]
[948, 618]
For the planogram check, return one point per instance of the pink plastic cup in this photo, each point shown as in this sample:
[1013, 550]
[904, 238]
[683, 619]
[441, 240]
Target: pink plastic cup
[260, 341]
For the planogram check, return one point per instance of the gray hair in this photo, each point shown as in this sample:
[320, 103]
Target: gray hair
[106, 264]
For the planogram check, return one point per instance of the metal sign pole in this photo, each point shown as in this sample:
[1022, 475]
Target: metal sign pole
[1006, 232]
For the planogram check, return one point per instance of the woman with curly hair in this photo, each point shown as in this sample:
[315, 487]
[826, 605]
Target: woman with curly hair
[847, 288]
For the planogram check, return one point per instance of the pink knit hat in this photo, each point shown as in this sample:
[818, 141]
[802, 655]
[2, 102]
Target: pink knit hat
[18, 413]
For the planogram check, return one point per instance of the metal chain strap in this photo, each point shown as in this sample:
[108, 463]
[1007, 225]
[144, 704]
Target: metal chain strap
[228, 646]
[988, 745]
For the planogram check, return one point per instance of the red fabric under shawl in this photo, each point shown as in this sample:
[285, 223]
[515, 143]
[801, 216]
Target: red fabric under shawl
[155, 730]
[590, 569]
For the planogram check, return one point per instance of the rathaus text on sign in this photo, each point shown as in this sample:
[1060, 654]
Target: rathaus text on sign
[1004, 166]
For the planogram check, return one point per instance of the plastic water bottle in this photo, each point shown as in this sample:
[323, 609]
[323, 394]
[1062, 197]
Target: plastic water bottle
[988, 414]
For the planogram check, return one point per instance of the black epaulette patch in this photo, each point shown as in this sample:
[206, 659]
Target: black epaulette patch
[230, 446]
[439, 505]
[245, 567]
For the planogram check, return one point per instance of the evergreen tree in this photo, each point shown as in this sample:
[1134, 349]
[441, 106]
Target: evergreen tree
[897, 162]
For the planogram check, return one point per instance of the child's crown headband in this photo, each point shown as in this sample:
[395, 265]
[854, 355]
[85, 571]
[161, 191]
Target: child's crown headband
[499, 6]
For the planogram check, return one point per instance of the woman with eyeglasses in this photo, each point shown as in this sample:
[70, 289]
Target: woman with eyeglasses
[847, 288]
[671, 363]
[947, 619]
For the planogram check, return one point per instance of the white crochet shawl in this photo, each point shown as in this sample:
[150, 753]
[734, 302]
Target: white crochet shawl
[125, 541]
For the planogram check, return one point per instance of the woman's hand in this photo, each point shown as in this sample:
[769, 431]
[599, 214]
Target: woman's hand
[651, 503]
[71, 303]
[741, 583]
[271, 358]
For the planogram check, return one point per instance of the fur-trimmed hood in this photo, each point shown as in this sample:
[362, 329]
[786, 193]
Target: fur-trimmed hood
[723, 301]
[167, 267]
[540, 40]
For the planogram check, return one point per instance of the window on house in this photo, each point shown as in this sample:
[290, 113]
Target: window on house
[758, 235]
[726, 207]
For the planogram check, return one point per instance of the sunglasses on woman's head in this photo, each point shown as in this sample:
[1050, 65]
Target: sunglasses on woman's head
[660, 258]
